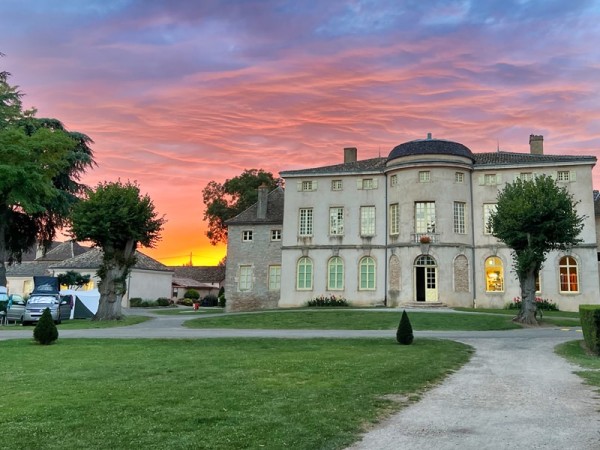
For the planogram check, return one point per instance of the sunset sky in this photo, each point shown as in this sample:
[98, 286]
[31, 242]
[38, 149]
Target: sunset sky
[177, 93]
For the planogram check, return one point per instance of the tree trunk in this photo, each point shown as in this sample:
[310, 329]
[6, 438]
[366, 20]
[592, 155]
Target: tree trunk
[113, 282]
[528, 307]
[3, 280]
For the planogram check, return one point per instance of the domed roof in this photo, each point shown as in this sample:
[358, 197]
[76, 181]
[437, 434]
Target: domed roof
[430, 147]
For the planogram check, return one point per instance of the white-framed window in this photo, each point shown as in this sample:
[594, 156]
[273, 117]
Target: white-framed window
[276, 235]
[336, 185]
[245, 278]
[336, 221]
[247, 236]
[366, 183]
[304, 274]
[394, 180]
[308, 185]
[494, 274]
[306, 222]
[424, 176]
[424, 217]
[274, 277]
[526, 176]
[488, 210]
[563, 175]
[367, 220]
[335, 274]
[459, 217]
[394, 219]
[569, 274]
[366, 275]
[490, 179]
[459, 177]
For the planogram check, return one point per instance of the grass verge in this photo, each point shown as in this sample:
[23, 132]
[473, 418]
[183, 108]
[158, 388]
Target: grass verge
[576, 352]
[343, 319]
[210, 394]
[557, 318]
[84, 324]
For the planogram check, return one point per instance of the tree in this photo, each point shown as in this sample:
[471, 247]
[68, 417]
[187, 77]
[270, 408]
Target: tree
[116, 218]
[404, 334]
[227, 200]
[73, 279]
[40, 167]
[45, 332]
[533, 217]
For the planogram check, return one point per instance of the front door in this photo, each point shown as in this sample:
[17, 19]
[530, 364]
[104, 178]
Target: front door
[426, 279]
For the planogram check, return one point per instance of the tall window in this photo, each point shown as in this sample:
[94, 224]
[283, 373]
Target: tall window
[425, 217]
[494, 274]
[366, 277]
[335, 274]
[488, 209]
[306, 222]
[394, 180]
[394, 219]
[304, 274]
[459, 217]
[569, 275]
[424, 176]
[336, 221]
[274, 278]
[367, 220]
[245, 279]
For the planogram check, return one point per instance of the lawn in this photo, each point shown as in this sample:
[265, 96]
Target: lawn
[210, 394]
[556, 318]
[351, 319]
[576, 352]
[82, 324]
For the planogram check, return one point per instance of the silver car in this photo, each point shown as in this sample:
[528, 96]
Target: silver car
[15, 308]
[60, 308]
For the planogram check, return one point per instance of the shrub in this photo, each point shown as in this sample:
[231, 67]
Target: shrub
[326, 301]
[192, 294]
[45, 331]
[404, 335]
[542, 304]
[135, 302]
[210, 300]
[590, 325]
[185, 302]
[162, 301]
[221, 297]
[147, 304]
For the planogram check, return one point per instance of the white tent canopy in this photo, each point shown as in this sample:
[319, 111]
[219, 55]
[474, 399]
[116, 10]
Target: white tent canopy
[88, 299]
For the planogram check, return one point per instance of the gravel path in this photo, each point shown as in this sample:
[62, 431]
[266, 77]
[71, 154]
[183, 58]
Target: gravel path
[515, 393]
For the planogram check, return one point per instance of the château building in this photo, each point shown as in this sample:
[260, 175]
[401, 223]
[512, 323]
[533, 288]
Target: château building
[410, 228]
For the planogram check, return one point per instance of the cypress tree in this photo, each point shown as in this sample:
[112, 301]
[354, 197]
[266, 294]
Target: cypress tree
[45, 331]
[404, 335]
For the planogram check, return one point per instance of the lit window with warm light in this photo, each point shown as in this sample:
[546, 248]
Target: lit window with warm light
[494, 274]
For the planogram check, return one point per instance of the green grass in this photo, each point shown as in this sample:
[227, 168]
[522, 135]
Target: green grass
[576, 352]
[354, 320]
[186, 311]
[556, 318]
[210, 394]
[83, 324]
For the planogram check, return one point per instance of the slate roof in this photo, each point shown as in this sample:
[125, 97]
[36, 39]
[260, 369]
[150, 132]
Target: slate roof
[28, 269]
[201, 274]
[64, 250]
[366, 165]
[509, 158]
[92, 259]
[430, 147]
[274, 211]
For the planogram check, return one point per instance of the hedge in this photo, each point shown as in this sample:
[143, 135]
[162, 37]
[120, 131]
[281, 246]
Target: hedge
[590, 324]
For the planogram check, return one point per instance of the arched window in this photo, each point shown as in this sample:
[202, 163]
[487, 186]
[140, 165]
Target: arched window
[494, 274]
[304, 277]
[335, 274]
[569, 275]
[366, 280]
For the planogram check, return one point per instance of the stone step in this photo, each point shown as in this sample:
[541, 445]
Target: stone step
[423, 305]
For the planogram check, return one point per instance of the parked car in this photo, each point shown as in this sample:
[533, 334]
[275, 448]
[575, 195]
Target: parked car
[15, 308]
[60, 308]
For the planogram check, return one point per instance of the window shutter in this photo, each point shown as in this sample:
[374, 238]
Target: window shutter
[375, 180]
[359, 184]
[498, 179]
[572, 176]
[314, 185]
[481, 180]
[299, 184]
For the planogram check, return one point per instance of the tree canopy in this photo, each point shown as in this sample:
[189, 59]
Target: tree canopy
[116, 218]
[533, 217]
[40, 168]
[73, 279]
[225, 201]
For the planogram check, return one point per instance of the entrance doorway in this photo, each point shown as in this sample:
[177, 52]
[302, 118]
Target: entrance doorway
[426, 279]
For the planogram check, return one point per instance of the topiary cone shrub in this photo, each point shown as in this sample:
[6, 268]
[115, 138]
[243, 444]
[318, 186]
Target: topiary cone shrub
[45, 331]
[404, 335]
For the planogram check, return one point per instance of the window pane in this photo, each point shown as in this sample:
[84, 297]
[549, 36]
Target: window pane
[425, 217]
[335, 274]
[274, 278]
[394, 219]
[306, 222]
[367, 273]
[488, 209]
[367, 220]
[494, 275]
[569, 276]
[245, 280]
[304, 277]
[336, 221]
[459, 217]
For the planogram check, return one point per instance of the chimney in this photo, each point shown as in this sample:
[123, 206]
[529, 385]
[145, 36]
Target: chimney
[263, 192]
[536, 144]
[350, 154]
